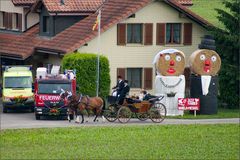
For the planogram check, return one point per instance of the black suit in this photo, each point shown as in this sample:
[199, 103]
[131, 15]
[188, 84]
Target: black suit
[123, 94]
[119, 86]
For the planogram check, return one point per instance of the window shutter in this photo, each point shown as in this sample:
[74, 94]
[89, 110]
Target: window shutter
[9, 21]
[5, 19]
[187, 34]
[148, 39]
[121, 34]
[160, 33]
[19, 25]
[148, 78]
[121, 72]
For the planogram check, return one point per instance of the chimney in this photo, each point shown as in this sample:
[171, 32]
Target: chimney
[62, 2]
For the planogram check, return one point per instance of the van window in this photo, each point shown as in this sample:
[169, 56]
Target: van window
[18, 82]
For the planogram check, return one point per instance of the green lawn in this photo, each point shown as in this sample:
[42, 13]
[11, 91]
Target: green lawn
[206, 9]
[222, 113]
[136, 142]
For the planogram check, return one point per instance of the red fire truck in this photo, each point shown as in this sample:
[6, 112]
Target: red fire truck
[47, 89]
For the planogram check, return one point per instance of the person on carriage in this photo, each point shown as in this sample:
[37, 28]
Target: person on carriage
[118, 88]
[147, 96]
[124, 92]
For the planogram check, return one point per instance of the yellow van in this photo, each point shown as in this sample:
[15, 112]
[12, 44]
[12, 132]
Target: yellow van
[17, 88]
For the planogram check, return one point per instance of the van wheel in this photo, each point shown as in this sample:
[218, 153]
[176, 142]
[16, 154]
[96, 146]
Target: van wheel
[32, 109]
[37, 116]
[4, 109]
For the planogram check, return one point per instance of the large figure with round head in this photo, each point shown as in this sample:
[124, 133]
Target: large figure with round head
[205, 62]
[170, 62]
[170, 82]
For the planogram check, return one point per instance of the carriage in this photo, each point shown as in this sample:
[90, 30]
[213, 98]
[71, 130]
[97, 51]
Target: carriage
[152, 109]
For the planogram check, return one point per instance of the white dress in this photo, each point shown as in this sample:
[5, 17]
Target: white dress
[168, 86]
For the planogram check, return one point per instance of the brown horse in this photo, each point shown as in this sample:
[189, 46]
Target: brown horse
[78, 103]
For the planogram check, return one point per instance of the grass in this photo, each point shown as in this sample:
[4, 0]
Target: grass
[222, 113]
[206, 9]
[220, 141]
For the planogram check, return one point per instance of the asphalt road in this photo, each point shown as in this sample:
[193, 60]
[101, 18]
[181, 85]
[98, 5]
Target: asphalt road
[14, 120]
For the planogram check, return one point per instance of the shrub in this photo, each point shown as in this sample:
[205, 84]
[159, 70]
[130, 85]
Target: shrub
[86, 72]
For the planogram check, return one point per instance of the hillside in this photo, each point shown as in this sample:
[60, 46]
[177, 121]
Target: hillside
[206, 9]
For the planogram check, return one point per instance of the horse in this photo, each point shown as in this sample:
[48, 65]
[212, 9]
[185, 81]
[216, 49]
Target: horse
[78, 103]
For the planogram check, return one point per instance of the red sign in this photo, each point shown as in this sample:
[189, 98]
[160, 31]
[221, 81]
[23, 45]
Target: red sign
[188, 103]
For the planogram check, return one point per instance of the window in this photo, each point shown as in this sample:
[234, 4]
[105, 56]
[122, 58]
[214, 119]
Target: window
[173, 33]
[7, 20]
[45, 24]
[134, 77]
[53, 87]
[137, 77]
[18, 82]
[134, 33]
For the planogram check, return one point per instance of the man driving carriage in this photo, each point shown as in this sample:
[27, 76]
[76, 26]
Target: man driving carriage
[124, 92]
[118, 88]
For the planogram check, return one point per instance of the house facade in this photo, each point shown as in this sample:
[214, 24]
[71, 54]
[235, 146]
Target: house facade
[132, 32]
[16, 16]
[150, 30]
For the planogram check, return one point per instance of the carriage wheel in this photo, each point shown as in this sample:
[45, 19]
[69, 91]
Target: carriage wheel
[142, 116]
[157, 112]
[111, 113]
[124, 114]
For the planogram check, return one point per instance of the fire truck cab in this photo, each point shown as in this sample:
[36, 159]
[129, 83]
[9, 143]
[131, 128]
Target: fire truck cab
[47, 89]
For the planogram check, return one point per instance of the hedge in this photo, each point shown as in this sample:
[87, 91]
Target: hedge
[86, 72]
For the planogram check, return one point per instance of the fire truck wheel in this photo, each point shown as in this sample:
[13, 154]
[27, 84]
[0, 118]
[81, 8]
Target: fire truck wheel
[37, 116]
[4, 109]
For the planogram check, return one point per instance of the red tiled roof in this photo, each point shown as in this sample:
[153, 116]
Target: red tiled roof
[113, 12]
[185, 2]
[23, 2]
[19, 46]
[55, 6]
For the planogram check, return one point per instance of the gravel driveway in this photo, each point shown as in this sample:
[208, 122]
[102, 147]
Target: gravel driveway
[15, 120]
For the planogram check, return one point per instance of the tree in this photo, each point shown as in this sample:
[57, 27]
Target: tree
[86, 71]
[227, 42]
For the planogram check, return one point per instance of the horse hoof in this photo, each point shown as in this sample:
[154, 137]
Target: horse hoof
[77, 122]
[69, 121]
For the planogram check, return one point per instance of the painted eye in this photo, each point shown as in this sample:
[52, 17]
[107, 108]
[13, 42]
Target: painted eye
[202, 57]
[178, 58]
[167, 57]
[214, 58]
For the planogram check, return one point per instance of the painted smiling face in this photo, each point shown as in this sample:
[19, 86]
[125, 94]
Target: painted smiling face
[171, 64]
[205, 62]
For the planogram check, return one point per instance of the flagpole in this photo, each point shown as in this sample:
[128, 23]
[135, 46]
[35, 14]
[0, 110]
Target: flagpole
[98, 52]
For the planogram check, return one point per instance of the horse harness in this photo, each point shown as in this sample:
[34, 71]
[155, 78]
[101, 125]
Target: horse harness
[87, 103]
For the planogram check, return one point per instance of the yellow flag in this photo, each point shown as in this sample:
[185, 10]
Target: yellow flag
[95, 26]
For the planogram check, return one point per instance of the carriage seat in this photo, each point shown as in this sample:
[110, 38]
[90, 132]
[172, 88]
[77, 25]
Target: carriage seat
[156, 98]
[131, 101]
